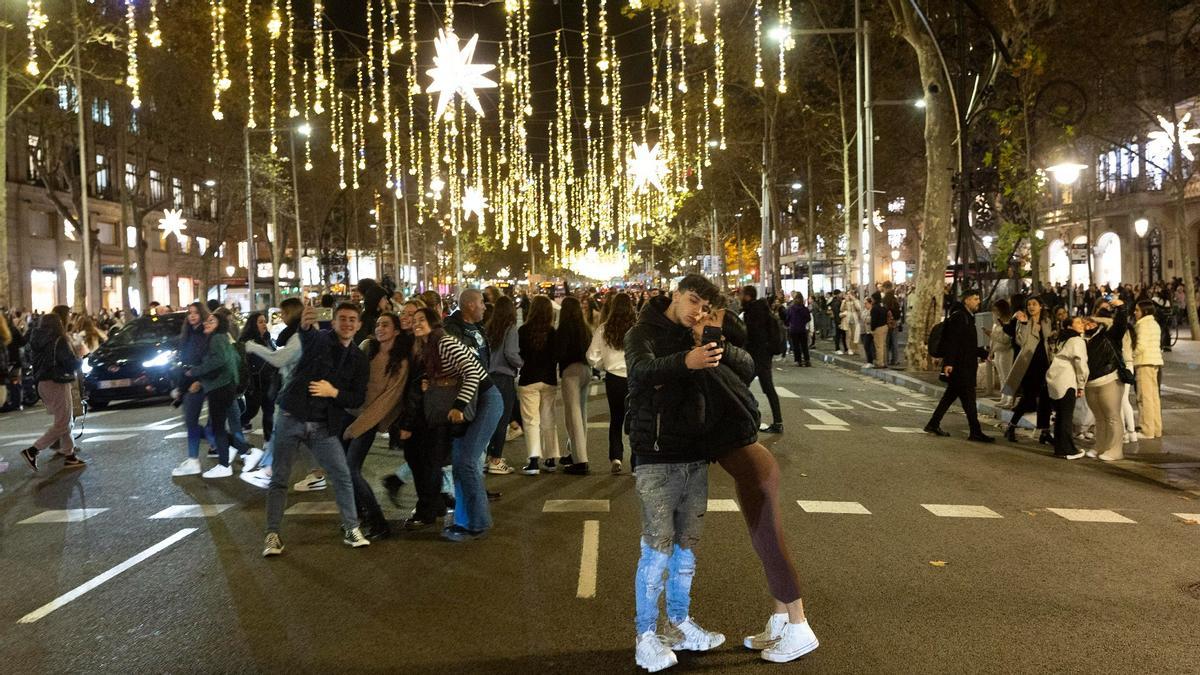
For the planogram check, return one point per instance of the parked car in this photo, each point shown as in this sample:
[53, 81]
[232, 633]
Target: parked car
[136, 362]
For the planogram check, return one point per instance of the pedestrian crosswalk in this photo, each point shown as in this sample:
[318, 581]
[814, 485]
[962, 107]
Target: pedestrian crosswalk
[62, 516]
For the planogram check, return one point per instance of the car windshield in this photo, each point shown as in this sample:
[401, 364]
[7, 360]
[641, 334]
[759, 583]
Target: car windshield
[148, 330]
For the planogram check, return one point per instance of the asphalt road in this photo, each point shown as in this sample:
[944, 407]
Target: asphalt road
[890, 586]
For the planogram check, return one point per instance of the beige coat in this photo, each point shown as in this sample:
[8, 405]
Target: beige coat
[383, 411]
[1026, 339]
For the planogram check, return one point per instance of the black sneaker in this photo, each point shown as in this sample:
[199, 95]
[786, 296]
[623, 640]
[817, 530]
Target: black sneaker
[580, 469]
[493, 496]
[776, 428]
[30, 456]
[377, 530]
[392, 484]
[566, 461]
[532, 468]
[73, 461]
[548, 466]
[981, 438]
[936, 431]
[414, 524]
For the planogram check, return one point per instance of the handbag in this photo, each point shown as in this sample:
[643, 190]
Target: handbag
[58, 373]
[1123, 373]
[439, 400]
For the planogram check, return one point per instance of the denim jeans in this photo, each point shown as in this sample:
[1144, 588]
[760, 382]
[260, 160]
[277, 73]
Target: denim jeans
[674, 498]
[471, 504]
[233, 422]
[290, 433]
[193, 403]
[364, 497]
[507, 386]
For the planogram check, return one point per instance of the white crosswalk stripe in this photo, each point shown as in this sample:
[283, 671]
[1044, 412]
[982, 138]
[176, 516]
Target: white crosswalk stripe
[1195, 517]
[312, 509]
[62, 516]
[723, 505]
[961, 511]
[784, 392]
[191, 511]
[825, 417]
[575, 506]
[826, 427]
[905, 430]
[833, 507]
[1091, 515]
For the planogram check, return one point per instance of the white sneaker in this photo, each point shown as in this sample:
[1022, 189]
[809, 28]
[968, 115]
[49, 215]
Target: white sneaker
[1075, 455]
[653, 653]
[251, 459]
[354, 538]
[272, 545]
[1091, 454]
[770, 634]
[616, 466]
[313, 481]
[218, 471]
[513, 434]
[796, 641]
[693, 638]
[259, 479]
[189, 467]
[499, 466]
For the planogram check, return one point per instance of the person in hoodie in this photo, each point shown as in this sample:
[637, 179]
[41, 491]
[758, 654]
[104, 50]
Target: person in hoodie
[960, 367]
[54, 368]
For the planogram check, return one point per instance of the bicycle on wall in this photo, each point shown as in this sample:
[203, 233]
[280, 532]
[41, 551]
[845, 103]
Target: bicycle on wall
[1174, 319]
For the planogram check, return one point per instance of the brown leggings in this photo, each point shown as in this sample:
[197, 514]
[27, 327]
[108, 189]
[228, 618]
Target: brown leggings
[756, 474]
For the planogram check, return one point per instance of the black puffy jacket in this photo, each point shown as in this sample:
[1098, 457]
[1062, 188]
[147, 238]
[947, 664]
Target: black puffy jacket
[1104, 346]
[671, 411]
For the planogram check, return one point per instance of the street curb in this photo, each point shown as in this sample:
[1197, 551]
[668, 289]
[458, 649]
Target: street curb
[897, 377]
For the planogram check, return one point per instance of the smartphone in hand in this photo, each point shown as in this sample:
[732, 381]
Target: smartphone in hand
[324, 314]
[711, 334]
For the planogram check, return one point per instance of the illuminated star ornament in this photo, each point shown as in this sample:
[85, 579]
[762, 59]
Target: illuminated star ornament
[173, 222]
[1178, 132]
[474, 202]
[453, 73]
[647, 168]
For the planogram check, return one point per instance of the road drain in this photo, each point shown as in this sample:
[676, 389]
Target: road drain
[1193, 590]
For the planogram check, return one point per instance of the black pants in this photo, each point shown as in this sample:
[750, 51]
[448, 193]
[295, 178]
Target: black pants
[507, 387]
[961, 387]
[219, 402]
[762, 370]
[364, 497]
[424, 457]
[1034, 396]
[839, 340]
[800, 346]
[255, 401]
[615, 390]
[1064, 413]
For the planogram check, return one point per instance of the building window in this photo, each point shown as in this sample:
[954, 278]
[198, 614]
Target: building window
[187, 291]
[107, 233]
[131, 177]
[195, 198]
[39, 224]
[33, 156]
[43, 286]
[160, 290]
[69, 230]
[102, 111]
[66, 97]
[131, 237]
[243, 255]
[134, 124]
[101, 175]
[177, 192]
[185, 243]
[156, 186]
[202, 245]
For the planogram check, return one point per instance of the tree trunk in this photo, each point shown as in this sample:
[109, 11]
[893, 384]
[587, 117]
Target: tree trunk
[4, 257]
[925, 302]
[1187, 257]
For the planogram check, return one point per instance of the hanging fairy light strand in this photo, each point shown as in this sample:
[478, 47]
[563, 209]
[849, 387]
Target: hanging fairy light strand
[154, 34]
[132, 80]
[758, 55]
[248, 20]
[293, 111]
[274, 31]
[220, 64]
[36, 20]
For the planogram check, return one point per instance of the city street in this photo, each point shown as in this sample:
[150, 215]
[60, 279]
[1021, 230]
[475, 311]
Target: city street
[917, 554]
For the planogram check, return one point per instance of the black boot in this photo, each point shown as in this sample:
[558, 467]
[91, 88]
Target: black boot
[1046, 438]
[1010, 434]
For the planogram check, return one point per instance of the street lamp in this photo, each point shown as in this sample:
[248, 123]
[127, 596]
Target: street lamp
[797, 186]
[1066, 172]
[1141, 226]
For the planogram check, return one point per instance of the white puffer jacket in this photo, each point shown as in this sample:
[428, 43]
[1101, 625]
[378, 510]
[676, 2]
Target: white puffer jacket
[1147, 351]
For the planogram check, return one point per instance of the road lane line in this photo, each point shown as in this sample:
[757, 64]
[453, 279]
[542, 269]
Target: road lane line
[190, 511]
[312, 509]
[575, 506]
[75, 593]
[62, 516]
[825, 417]
[1177, 390]
[175, 435]
[105, 439]
[723, 505]
[833, 507]
[784, 392]
[588, 560]
[1091, 515]
[826, 427]
[904, 430]
[1195, 517]
[961, 511]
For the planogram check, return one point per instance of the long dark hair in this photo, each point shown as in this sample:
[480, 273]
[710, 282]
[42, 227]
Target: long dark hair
[401, 345]
[202, 309]
[621, 317]
[429, 351]
[504, 316]
[52, 323]
[572, 323]
[250, 330]
[540, 321]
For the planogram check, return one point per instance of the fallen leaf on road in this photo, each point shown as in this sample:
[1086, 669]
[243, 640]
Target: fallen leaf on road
[938, 563]
[804, 475]
[1030, 513]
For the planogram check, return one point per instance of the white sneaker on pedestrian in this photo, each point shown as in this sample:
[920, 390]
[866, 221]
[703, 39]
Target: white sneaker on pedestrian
[797, 640]
[1091, 454]
[189, 467]
[499, 466]
[259, 479]
[513, 433]
[251, 459]
[693, 638]
[272, 545]
[616, 466]
[354, 538]
[1075, 455]
[770, 634]
[313, 481]
[652, 652]
[218, 471]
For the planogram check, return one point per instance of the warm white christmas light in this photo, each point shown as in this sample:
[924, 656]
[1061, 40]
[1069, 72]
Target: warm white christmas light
[1171, 133]
[474, 202]
[453, 73]
[646, 167]
[173, 222]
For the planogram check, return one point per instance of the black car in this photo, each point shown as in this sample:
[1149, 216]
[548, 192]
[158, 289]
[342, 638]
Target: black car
[136, 362]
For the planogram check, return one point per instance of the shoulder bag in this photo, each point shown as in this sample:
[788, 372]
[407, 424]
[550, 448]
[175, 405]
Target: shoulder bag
[439, 400]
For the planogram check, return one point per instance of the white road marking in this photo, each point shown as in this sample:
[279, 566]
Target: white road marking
[878, 406]
[105, 439]
[25, 443]
[1187, 516]
[78, 591]
[784, 392]
[190, 511]
[589, 559]
[1091, 515]
[1193, 386]
[961, 511]
[904, 430]
[1177, 390]
[99, 413]
[833, 507]
[825, 417]
[597, 425]
[62, 516]
[826, 427]
[575, 506]
[175, 435]
[312, 509]
[723, 505]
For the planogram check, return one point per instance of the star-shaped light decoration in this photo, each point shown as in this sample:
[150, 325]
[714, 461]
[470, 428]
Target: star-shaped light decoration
[646, 167]
[173, 222]
[453, 73]
[474, 202]
[1172, 132]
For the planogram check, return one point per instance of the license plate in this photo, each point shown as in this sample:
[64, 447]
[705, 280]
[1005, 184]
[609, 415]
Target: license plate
[115, 384]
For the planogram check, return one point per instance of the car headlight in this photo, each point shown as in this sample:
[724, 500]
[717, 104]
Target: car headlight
[86, 366]
[161, 359]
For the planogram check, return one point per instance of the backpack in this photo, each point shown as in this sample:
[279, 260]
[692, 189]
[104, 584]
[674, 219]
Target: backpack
[936, 349]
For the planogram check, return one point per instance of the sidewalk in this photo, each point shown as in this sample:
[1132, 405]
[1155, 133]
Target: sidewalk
[1173, 460]
[1186, 352]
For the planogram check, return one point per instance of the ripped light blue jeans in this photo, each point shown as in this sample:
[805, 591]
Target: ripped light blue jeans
[674, 498]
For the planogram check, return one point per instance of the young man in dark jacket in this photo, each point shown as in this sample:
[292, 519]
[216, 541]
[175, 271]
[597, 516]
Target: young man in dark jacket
[329, 379]
[960, 345]
[666, 425]
[757, 314]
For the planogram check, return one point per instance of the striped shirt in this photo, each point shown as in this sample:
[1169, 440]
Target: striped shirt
[459, 360]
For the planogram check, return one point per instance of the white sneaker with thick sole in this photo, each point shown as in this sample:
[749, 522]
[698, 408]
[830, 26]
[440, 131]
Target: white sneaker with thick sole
[616, 466]
[653, 653]
[259, 479]
[251, 459]
[311, 482]
[499, 467]
[513, 434]
[693, 638]
[218, 471]
[1091, 454]
[797, 640]
[770, 634]
[272, 545]
[189, 467]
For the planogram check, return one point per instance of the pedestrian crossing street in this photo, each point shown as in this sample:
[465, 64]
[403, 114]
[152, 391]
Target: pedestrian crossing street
[814, 507]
